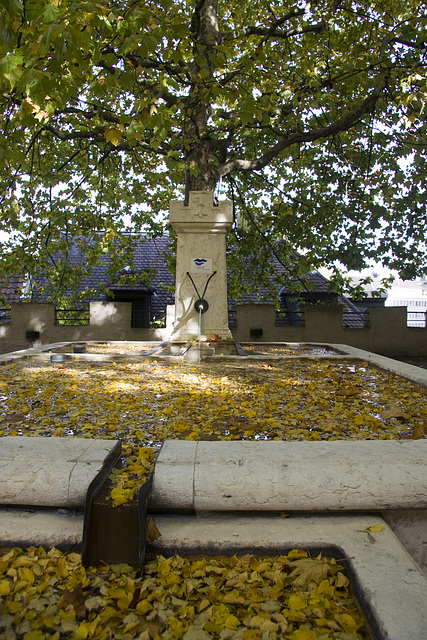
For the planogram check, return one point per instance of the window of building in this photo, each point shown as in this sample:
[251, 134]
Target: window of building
[140, 306]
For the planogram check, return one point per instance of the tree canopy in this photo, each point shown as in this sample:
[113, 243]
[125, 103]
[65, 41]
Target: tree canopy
[311, 116]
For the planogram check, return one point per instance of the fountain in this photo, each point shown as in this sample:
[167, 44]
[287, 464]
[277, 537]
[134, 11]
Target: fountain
[201, 226]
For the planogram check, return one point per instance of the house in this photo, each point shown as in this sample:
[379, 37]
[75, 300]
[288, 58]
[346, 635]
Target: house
[293, 296]
[11, 291]
[148, 283]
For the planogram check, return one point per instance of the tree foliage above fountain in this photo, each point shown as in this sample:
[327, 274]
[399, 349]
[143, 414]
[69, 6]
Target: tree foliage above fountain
[310, 113]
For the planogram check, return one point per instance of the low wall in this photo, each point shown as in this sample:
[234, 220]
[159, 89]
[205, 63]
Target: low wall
[387, 332]
[108, 321]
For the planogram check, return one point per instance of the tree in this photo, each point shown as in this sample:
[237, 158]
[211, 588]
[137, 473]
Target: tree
[310, 113]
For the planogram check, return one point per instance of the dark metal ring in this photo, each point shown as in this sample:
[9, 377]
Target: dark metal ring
[201, 305]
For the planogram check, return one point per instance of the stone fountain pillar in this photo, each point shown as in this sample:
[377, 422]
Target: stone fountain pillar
[201, 272]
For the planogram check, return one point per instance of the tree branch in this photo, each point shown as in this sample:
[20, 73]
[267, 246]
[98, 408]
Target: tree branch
[296, 137]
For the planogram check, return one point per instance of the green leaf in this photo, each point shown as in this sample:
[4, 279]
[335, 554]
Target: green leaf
[10, 62]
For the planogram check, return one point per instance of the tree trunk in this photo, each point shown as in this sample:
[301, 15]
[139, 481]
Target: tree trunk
[202, 152]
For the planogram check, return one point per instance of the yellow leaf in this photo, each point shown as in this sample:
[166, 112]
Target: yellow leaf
[143, 607]
[420, 431]
[152, 532]
[264, 624]
[376, 528]
[232, 622]
[397, 412]
[177, 627]
[305, 634]
[113, 135]
[349, 624]
[254, 594]
[296, 602]
[326, 588]
[27, 575]
[120, 496]
[297, 553]
[310, 569]
[22, 561]
[81, 632]
[204, 603]
[233, 597]
[34, 635]
[4, 587]
[61, 569]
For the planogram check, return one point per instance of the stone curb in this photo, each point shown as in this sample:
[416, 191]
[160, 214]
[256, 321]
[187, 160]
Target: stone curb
[50, 472]
[290, 476]
[27, 528]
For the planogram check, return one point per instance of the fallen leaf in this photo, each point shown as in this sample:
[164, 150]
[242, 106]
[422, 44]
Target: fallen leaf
[151, 533]
[348, 392]
[376, 528]
[396, 412]
[420, 431]
[14, 417]
[76, 599]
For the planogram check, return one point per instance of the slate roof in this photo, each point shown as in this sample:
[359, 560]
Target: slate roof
[147, 253]
[11, 291]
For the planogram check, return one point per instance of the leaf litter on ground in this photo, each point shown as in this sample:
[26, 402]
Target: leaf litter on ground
[48, 595]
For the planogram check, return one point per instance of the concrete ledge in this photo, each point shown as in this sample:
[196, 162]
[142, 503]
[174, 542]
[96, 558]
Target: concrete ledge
[292, 476]
[390, 586]
[24, 528]
[50, 472]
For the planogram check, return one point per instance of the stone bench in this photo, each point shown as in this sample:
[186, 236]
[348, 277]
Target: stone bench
[51, 472]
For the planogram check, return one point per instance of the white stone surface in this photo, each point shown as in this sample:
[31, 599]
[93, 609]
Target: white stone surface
[24, 528]
[50, 471]
[392, 585]
[174, 475]
[292, 476]
[201, 231]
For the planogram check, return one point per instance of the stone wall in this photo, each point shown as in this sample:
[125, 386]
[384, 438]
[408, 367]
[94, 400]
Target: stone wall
[108, 321]
[387, 332]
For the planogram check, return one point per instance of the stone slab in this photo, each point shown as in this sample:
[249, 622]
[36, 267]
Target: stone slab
[50, 472]
[291, 476]
[25, 528]
[392, 587]
[174, 473]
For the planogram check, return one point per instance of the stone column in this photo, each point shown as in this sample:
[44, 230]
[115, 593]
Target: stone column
[201, 228]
